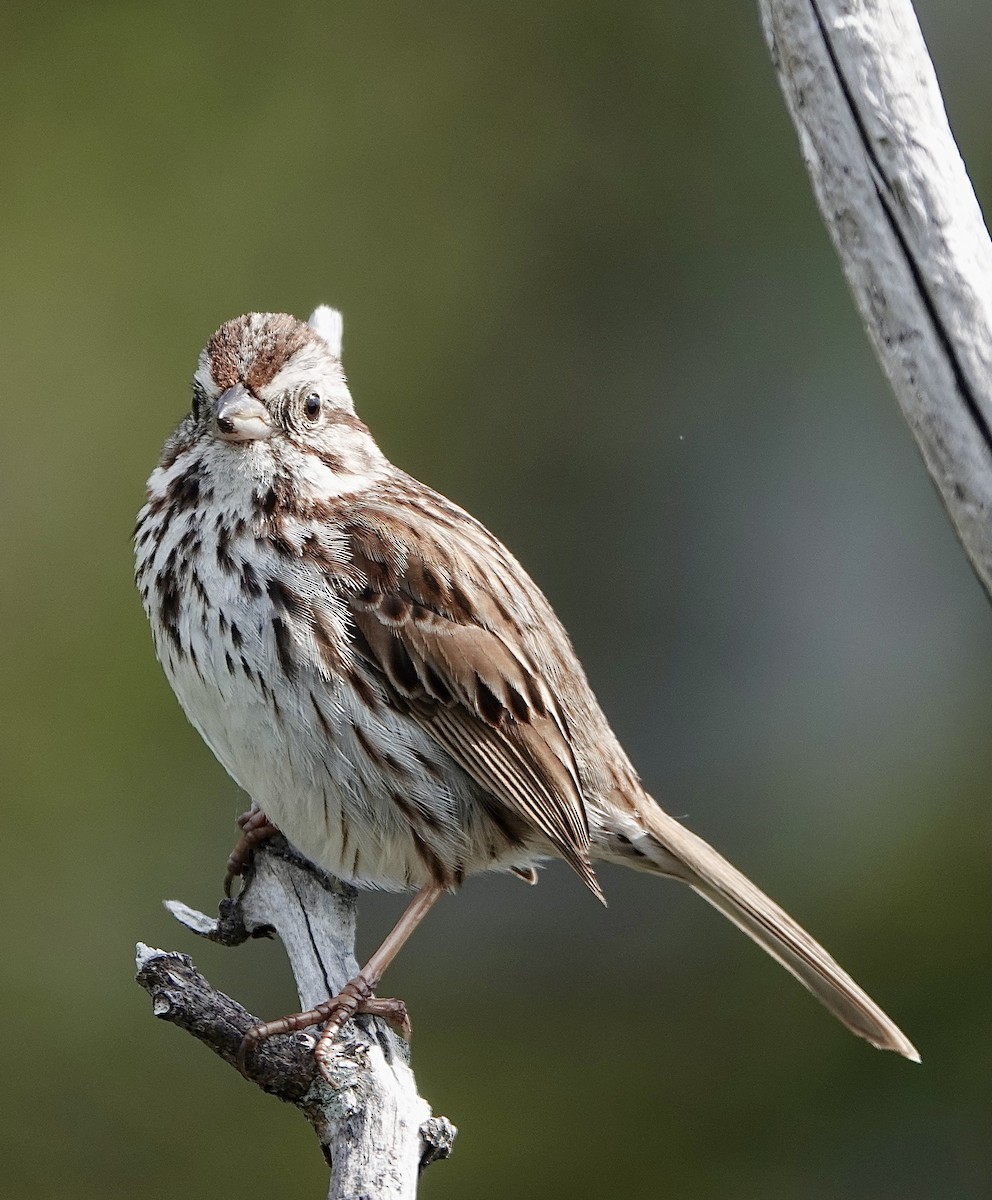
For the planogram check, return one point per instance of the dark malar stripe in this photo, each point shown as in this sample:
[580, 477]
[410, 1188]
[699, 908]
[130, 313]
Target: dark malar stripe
[184, 491]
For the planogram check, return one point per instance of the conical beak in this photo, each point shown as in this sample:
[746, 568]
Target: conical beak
[241, 418]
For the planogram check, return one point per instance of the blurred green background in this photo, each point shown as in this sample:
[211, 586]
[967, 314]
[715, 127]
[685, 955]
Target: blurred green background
[588, 295]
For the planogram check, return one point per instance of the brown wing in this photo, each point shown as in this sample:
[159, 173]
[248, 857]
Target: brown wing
[439, 620]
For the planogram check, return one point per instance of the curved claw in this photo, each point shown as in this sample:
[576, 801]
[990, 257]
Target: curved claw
[255, 829]
[392, 1010]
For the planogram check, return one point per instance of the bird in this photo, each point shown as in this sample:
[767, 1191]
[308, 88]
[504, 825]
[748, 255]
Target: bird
[384, 679]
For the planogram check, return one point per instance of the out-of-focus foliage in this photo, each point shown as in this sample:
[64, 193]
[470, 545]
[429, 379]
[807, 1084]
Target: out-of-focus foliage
[587, 294]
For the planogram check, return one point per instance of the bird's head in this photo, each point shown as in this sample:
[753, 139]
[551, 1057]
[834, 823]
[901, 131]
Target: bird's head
[265, 375]
[270, 399]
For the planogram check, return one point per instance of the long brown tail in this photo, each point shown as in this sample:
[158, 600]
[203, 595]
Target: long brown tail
[674, 850]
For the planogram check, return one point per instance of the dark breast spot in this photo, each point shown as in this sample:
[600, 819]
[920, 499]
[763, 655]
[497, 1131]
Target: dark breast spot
[190, 541]
[284, 647]
[249, 580]
[364, 689]
[284, 598]
[199, 588]
[282, 546]
[429, 765]
[222, 550]
[321, 719]
[169, 605]
[436, 869]
[369, 748]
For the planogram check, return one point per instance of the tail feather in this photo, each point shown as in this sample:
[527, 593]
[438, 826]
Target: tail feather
[675, 851]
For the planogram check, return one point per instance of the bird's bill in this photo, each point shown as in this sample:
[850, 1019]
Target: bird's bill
[239, 417]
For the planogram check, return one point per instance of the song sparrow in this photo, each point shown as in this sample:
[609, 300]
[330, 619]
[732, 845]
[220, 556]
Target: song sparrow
[381, 675]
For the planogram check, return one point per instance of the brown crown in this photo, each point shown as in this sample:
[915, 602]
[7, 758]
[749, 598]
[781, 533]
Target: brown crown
[253, 348]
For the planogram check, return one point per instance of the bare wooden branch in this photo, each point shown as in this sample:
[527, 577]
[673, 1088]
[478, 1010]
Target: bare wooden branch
[896, 198]
[373, 1127]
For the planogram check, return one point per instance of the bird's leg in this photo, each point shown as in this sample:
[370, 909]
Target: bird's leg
[255, 829]
[357, 996]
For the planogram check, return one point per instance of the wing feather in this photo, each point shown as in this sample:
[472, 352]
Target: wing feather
[446, 644]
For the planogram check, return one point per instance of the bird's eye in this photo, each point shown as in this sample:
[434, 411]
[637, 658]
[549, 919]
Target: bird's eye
[311, 407]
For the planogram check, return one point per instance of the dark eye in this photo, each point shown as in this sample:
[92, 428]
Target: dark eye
[311, 407]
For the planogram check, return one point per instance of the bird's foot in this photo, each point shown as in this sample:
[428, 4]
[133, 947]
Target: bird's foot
[355, 999]
[255, 829]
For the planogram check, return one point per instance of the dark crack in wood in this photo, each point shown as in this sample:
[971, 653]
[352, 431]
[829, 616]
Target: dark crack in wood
[895, 197]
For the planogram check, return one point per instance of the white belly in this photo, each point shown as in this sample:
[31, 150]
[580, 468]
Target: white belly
[366, 793]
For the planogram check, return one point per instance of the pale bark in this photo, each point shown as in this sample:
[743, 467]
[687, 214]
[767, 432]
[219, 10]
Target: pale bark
[896, 198]
[373, 1127]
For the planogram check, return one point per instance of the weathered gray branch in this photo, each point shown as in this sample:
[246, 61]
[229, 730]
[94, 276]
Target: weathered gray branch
[896, 198]
[373, 1127]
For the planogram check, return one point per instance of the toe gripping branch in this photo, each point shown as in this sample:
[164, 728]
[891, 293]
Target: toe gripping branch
[256, 828]
[357, 1077]
[355, 999]
[357, 996]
